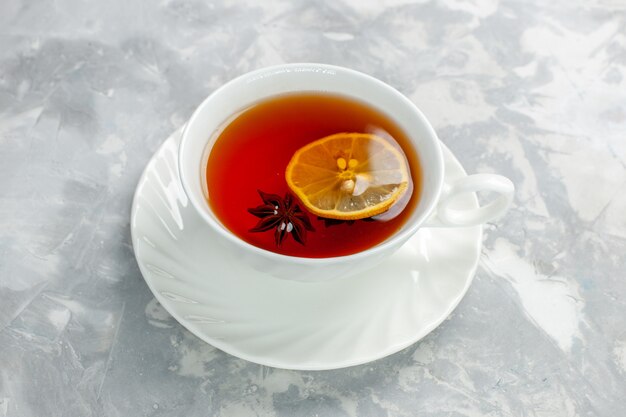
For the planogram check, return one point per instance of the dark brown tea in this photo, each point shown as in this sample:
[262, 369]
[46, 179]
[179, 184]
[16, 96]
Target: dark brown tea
[249, 193]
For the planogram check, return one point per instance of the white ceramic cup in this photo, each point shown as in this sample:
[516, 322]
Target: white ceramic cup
[435, 206]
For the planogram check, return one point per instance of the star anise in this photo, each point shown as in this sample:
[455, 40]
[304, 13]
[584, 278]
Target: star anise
[335, 222]
[283, 215]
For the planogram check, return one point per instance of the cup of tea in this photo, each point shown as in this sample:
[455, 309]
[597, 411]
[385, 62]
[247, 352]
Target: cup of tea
[313, 172]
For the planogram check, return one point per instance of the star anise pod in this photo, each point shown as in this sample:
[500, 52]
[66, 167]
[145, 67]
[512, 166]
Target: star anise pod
[336, 222]
[283, 215]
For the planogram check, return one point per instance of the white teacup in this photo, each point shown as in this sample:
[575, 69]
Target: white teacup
[433, 208]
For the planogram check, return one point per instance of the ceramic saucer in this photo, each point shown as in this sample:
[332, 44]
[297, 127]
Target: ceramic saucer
[289, 324]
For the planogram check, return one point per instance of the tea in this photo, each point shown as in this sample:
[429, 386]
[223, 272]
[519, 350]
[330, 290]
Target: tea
[249, 193]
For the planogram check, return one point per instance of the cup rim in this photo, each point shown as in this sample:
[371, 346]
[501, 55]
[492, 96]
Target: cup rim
[382, 247]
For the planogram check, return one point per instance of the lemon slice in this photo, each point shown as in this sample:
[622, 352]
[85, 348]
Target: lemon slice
[348, 176]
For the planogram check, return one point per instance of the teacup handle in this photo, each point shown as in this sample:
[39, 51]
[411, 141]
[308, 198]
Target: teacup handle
[448, 216]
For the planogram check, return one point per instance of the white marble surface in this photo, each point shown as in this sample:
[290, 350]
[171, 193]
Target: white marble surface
[534, 90]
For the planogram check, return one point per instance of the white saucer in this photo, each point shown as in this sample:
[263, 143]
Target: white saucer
[285, 324]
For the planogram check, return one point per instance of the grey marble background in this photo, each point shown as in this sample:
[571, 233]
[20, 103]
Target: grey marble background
[534, 90]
